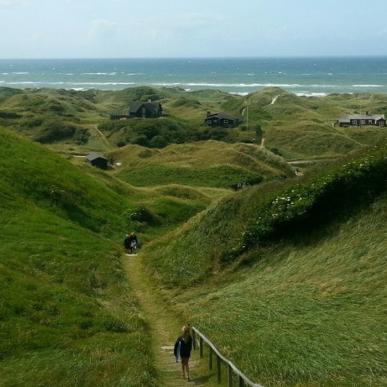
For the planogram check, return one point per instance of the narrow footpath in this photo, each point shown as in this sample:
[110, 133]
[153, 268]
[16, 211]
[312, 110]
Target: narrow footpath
[165, 327]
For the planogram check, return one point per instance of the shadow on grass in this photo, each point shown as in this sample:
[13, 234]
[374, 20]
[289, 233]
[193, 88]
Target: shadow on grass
[202, 379]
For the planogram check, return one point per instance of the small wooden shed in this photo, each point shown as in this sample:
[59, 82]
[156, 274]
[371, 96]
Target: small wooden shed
[97, 160]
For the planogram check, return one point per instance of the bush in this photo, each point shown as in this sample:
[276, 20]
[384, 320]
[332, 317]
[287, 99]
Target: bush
[120, 144]
[81, 136]
[258, 133]
[141, 140]
[55, 131]
[276, 151]
[142, 215]
[307, 204]
[114, 325]
[9, 115]
[158, 142]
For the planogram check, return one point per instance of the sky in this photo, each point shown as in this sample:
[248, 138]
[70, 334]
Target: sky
[191, 28]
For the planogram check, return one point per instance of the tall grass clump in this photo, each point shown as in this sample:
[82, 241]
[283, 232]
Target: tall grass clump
[313, 202]
[264, 215]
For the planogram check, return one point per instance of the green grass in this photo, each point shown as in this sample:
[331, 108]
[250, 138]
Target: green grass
[296, 127]
[308, 312]
[67, 314]
[203, 164]
[222, 176]
[265, 214]
[306, 305]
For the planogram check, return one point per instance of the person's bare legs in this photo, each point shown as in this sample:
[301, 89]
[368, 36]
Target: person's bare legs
[187, 366]
[183, 368]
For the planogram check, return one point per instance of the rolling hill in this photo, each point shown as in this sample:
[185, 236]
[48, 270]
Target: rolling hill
[202, 164]
[289, 278]
[67, 313]
[295, 127]
[65, 302]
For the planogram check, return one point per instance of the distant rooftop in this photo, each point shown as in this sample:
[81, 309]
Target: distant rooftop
[221, 115]
[94, 156]
[350, 117]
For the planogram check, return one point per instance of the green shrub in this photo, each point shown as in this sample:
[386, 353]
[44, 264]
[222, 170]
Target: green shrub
[9, 115]
[258, 133]
[115, 325]
[55, 131]
[142, 215]
[309, 203]
[158, 142]
[81, 136]
[141, 140]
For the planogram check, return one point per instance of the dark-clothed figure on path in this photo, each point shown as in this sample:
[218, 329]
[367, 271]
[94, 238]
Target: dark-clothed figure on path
[183, 348]
[131, 243]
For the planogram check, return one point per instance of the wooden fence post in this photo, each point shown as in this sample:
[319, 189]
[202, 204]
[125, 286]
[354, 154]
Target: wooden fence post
[229, 376]
[194, 339]
[218, 368]
[210, 358]
[201, 346]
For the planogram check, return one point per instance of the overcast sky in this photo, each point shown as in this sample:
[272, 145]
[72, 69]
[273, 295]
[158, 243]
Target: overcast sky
[191, 28]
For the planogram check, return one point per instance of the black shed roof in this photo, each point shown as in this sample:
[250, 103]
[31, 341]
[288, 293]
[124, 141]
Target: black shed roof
[94, 156]
[149, 106]
[222, 116]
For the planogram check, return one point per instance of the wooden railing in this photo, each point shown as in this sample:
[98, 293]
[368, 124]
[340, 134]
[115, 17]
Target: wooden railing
[199, 340]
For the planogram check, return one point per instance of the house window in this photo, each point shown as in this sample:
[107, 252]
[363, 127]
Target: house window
[362, 122]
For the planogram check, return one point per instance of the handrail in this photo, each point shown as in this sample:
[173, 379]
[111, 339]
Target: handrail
[243, 379]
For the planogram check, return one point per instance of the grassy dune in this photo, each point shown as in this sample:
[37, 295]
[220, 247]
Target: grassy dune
[287, 277]
[295, 127]
[294, 293]
[209, 163]
[67, 313]
[308, 312]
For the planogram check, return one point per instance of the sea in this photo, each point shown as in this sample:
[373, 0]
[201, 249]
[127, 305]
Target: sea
[301, 76]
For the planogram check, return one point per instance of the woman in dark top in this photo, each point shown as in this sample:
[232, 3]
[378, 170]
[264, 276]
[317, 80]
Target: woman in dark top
[183, 348]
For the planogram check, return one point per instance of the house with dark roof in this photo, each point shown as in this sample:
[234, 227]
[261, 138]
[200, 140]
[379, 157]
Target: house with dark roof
[221, 120]
[141, 110]
[97, 160]
[362, 120]
[145, 109]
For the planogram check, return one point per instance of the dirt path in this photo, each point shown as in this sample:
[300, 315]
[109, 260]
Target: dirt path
[103, 138]
[274, 100]
[165, 327]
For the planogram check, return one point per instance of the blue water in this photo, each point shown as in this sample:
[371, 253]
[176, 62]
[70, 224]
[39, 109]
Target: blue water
[303, 76]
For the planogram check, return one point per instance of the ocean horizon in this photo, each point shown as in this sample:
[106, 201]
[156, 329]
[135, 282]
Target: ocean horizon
[314, 76]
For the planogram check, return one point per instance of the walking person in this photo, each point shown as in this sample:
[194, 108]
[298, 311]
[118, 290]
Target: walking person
[182, 350]
[131, 243]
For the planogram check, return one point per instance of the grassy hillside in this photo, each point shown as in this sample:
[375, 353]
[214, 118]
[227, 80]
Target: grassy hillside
[302, 127]
[261, 215]
[295, 127]
[210, 163]
[67, 314]
[311, 311]
[293, 274]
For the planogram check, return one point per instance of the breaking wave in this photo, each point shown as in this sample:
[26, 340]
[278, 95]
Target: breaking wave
[368, 86]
